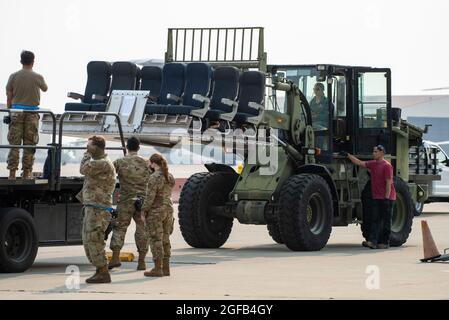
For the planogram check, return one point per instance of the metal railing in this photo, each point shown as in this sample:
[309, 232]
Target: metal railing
[55, 148]
[242, 46]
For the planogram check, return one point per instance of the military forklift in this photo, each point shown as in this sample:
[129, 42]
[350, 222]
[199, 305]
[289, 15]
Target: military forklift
[313, 188]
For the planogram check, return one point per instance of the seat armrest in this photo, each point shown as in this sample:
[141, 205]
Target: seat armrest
[75, 95]
[257, 119]
[173, 97]
[201, 112]
[200, 98]
[99, 97]
[230, 115]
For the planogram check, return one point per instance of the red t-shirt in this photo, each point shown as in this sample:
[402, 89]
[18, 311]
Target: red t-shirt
[381, 171]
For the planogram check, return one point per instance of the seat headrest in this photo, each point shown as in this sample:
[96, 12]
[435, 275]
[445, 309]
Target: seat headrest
[173, 69]
[151, 73]
[126, 69]
[99, 67]
[226, 73]
[256, 78]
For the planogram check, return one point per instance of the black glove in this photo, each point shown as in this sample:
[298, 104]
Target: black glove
[138, 204]
[343, 154]
[6, 119]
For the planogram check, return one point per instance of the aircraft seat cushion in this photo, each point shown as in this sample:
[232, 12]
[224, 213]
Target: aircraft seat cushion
[98, 107]
[252, 89]
[151, 80]
[226, 85]
[198, 80]
[242, 117]
[172, 82]
[172, 110]
[124, 76]
[77, 106]
[98, 80]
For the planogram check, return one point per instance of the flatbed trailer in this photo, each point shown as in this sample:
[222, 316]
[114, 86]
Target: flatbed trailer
[40, 212]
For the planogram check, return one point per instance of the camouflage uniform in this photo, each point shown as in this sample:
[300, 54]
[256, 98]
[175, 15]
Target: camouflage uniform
[99, 184]
[158, 210]
[133, 176]
[23, 127]
[25, 86]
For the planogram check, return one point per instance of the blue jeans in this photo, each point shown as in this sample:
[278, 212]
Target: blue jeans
[381, 218]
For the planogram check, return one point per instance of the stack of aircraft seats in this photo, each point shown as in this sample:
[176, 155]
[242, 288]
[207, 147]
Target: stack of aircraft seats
[124, 77]
[151, 81]
[251, 97]
[98, 80]
[198, 78]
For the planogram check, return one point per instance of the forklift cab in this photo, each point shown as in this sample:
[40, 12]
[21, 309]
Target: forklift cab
[350, 106]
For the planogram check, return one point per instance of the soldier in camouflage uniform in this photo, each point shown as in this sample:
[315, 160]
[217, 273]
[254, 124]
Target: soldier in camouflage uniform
[158, 210]
[23, 93]
[133, 176]
[96, 195]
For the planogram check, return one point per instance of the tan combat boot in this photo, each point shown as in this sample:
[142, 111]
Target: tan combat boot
[115, 261]
[12, 175]
[101, 276]
[141, 262]
[166, 266]
[156, 271]
[27, 174]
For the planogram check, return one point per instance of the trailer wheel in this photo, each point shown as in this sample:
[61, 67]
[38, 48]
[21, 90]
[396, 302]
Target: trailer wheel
[200, 227]
[305, 212]
[275, 232]
[18, 240]
[403, 213]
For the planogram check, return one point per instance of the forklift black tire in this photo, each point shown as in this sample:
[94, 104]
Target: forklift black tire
[275, 232]
[366, 207]
[305, 212]
[201, 228]
[18, 240]
[403, 213]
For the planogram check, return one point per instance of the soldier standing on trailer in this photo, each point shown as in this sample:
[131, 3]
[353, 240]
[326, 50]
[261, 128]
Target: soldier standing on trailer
[23, 93]
[133, 176]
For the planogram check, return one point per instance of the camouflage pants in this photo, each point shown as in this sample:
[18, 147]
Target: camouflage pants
[95, 223]
[23, 129]
[159, 227]
[125, 212]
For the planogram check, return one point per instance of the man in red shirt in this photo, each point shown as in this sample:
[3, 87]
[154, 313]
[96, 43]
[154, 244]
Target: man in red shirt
[383, 196]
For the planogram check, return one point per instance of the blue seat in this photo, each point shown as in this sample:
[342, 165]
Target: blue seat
[252, 89]
[173, 75]
[198, 81]
[151, 80]
[98, 81]
[198, 77]
[124, 77]
[225, 86]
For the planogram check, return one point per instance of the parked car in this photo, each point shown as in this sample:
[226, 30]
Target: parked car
[438, 190]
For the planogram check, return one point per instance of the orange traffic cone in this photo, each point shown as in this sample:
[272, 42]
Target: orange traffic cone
[430, 249]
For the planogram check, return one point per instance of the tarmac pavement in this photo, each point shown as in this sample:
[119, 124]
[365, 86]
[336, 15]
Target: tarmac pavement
[251, 266]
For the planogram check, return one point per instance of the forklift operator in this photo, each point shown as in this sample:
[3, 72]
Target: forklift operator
[319, 105]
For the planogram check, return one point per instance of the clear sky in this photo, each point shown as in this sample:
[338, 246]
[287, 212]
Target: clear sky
[410, 37]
